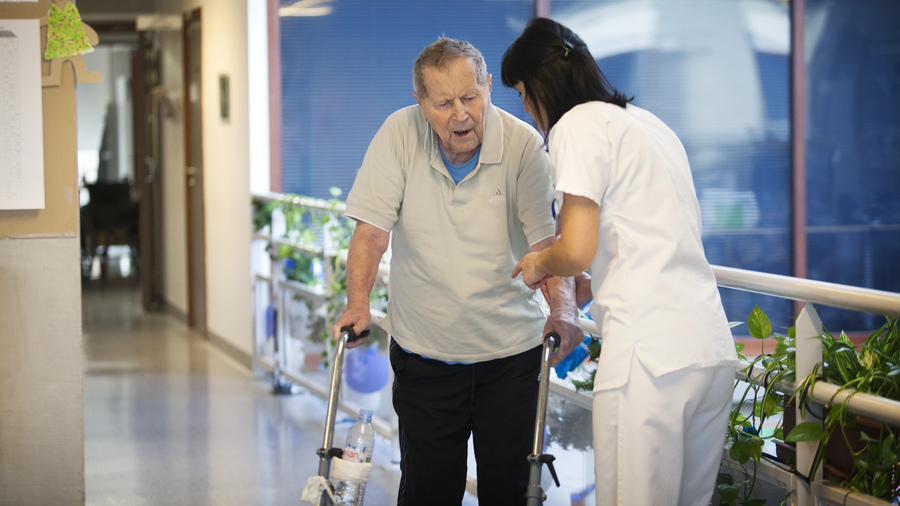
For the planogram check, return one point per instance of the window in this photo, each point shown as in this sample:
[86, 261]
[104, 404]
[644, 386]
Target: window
[717, 72]
[734, 124]
[853, 149]
[345, 71]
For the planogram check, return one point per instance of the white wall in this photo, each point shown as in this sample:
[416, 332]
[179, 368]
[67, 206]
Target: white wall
[41, 422]
[226, 175]
[258, 101]
[226, 161]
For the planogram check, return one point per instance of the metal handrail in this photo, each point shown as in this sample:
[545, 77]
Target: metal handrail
[301, 201]
[853, 298]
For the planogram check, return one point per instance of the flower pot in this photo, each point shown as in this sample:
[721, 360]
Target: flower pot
[785, 451]
[839, 450]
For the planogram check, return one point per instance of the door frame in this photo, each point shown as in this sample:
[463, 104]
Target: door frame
[194, 208]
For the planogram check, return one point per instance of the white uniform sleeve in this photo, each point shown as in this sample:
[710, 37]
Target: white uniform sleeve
[581, 159]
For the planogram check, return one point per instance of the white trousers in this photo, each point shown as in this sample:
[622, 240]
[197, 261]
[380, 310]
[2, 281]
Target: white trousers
[658, 441]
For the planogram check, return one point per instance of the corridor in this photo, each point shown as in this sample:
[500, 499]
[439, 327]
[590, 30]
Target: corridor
[171, 420]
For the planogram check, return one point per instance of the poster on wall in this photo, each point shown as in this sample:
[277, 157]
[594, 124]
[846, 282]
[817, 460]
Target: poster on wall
[21, 120]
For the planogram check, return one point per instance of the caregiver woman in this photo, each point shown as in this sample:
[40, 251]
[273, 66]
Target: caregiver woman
[629, 215]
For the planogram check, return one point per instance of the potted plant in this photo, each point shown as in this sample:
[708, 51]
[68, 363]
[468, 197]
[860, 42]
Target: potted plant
[861, 454]
[761, 401]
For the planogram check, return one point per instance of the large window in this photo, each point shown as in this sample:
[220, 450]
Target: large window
[853, 148]
[346, 70]
[718, 72]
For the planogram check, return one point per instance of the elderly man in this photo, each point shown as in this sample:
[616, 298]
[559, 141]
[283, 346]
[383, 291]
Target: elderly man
[464, 188]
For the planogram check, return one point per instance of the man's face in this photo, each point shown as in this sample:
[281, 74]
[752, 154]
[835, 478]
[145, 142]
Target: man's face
[455, 106]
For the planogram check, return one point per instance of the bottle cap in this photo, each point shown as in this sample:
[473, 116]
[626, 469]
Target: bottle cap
[365, 414]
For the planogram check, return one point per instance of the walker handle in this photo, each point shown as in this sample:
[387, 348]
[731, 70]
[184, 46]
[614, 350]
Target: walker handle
[351, 335]
[554, 343]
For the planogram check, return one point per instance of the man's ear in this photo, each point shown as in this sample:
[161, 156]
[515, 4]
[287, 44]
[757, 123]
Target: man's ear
[489, 83]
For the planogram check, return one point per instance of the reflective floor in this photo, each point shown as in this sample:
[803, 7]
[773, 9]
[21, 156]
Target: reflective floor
[171, 420]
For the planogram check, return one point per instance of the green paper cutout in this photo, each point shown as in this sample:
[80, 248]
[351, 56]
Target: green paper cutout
[65, 33]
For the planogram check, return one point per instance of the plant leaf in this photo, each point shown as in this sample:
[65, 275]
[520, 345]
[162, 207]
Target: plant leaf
[806, 431]
[729, 493]
[758, 324]
[745, 448]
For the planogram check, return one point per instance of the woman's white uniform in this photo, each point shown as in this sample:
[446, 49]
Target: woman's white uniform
[662, 392]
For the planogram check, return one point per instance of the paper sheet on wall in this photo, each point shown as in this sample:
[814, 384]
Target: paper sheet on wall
[21, 117]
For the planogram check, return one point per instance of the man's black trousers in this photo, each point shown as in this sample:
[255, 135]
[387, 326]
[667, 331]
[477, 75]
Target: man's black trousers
[439, 405]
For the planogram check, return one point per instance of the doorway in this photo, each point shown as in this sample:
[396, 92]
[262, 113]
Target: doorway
[108, 198]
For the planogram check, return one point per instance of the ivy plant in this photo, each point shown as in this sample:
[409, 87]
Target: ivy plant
[873, 368]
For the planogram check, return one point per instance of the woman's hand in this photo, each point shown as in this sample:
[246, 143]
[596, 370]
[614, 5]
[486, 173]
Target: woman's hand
[532, 274]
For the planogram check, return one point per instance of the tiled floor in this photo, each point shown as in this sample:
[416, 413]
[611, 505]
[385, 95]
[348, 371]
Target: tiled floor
[171, 420]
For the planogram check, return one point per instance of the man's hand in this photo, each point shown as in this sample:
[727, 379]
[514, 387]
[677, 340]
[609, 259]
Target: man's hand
[358, 318]
[563, 318]
[566, 324]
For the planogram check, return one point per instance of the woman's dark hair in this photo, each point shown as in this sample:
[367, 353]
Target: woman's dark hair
[556, 69]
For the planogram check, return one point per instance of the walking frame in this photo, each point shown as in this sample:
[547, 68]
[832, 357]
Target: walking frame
[327, 451]
[534, 494]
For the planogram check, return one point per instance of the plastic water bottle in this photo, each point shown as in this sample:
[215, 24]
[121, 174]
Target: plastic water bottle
[358, 448]
[360, 439]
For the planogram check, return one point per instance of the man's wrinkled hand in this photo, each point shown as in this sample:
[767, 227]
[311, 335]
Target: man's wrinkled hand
[358, 318]
[570, 333]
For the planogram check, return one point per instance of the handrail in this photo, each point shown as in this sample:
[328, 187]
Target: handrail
[299, 200]
[853, 298]
[823, 392]
[872, 406]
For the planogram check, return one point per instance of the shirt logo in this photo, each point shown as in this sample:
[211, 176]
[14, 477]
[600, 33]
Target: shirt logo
[497, 196]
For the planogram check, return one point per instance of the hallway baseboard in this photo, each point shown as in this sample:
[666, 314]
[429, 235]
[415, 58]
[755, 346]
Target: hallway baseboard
[235, 353]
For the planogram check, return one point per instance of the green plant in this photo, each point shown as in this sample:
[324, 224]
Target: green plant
[761, 401]
[874, 369]
[307, 226]
[298, 266]
[586, 385]
[340, 230]
[262, 214]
